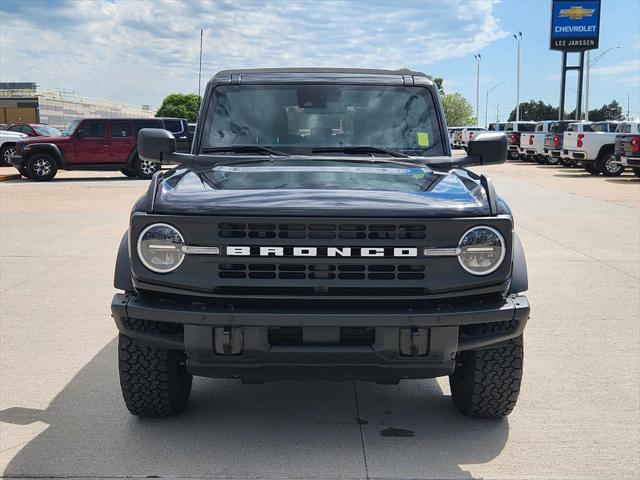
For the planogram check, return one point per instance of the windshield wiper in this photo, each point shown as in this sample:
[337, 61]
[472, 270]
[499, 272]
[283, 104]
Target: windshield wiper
[245, 149]
[359, 149]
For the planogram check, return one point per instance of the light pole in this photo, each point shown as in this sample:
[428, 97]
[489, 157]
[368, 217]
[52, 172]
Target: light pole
[486, 104]
[477, 56]
[589, 65]
[518, 38]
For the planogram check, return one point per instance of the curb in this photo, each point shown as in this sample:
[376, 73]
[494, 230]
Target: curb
[12, 176]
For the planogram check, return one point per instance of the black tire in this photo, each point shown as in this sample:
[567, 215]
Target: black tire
[41, 167]
[6, 152]
[128, 172]
[512, 156]
[610, 169]
[24, 172]
[486, 383]
[554, 161]
[154, 381]
[591, 167]
[145, 169]
[636, 171]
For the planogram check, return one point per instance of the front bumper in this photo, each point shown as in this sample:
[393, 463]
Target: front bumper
[555, 153]
[232, 341]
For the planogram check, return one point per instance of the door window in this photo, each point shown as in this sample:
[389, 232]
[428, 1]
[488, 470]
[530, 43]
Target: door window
[92, 129]
[121, 129]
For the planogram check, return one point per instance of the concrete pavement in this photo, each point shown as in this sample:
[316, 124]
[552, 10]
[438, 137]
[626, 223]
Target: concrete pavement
[61, 413]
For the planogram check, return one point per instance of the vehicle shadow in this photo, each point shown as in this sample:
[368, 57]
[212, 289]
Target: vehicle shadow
[632, 179]
[276, 430]
[62, 179]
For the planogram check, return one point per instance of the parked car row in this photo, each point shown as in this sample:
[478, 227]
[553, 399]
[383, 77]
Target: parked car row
[606, 147]
[87, 144]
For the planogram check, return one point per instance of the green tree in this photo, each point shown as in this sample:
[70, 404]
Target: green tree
[535, 111]
[613, 111]
[180, 105]
[457, 110]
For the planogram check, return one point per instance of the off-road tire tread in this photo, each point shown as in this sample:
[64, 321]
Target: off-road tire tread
[486, 382]
[150, 384]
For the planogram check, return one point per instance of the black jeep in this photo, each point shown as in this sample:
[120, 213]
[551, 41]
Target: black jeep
[320, 229]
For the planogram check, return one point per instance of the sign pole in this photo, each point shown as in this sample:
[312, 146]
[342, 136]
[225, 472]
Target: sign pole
[563, 82]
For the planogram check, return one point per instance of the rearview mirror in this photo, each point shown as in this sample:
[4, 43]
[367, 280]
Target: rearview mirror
[155, 144]
[485, 149]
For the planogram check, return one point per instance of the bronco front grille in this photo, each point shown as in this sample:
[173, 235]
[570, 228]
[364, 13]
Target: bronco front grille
[322, 231]
[300, 271]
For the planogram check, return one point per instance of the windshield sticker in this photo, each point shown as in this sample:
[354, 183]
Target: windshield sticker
[313, 168]
[423, 139]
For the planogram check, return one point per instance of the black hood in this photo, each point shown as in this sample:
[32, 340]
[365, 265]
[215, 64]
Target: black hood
[320, 188]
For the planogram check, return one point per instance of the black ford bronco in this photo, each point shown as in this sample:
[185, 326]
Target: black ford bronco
[320, 228]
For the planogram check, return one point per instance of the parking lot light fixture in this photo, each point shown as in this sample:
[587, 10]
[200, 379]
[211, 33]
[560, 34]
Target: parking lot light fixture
[486, 104]
[518, 38]
[591, 63]
[477, 56]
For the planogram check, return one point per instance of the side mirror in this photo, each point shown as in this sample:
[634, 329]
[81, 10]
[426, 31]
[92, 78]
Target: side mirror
[80, 133]
[155, 144]
[486, 148]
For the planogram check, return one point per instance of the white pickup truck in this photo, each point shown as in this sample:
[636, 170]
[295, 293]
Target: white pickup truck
[627, 149]
[467, 133]
[8, 146]
[593, 149]
[532, 144]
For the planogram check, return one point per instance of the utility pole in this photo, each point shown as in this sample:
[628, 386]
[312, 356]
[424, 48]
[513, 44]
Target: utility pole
[200, 68]
[518, 38]
[477, 56]
[628, 117]
[497, 109]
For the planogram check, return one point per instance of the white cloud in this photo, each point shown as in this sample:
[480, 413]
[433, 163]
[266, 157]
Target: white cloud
[622, 67]
[138, 51]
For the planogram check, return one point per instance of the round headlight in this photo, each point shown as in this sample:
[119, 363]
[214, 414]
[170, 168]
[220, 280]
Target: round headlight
[482, 250]
[160, 248]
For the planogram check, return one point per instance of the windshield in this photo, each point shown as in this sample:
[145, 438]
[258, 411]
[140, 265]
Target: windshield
[69, 129]
[303, 117]
[47, 130]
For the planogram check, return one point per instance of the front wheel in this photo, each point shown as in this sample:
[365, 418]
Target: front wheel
[486, 383]
[6, 152]
[154, 381]
[636, 172]
[145, 168]
[41, 167]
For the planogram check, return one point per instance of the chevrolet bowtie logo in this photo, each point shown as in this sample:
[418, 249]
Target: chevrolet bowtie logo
[576, 12]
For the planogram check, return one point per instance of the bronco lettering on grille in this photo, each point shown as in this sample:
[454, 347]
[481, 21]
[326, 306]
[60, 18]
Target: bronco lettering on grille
[248, 251]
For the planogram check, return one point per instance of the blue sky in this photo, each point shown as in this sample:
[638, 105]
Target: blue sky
[137, 51]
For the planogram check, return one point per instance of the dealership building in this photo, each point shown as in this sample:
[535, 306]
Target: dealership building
[24, 102]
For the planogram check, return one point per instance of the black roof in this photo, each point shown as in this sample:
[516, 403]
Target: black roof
[358, 71]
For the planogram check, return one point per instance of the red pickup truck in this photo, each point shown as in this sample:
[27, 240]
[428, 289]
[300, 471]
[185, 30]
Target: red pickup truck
[95, 144]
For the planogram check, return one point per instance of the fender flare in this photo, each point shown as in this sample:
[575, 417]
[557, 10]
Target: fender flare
[605, 148]
[132, 157]
[122, 275]
[519, 277]
[48, 148]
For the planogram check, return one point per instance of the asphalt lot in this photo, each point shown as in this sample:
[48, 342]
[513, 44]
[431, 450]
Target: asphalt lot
[578, 416]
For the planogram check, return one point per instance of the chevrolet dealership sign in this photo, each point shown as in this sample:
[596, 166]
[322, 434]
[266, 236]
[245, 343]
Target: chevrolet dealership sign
[575, 25]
